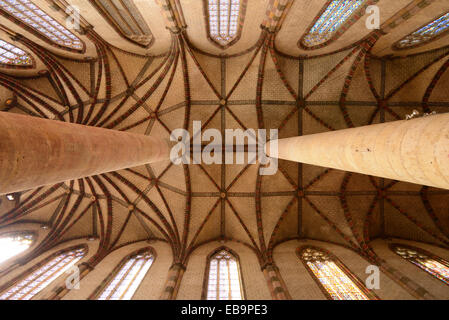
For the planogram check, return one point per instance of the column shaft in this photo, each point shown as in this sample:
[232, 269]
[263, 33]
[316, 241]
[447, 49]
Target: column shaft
[173, 282]
[36, 152]
[275, 283]
[415, 151]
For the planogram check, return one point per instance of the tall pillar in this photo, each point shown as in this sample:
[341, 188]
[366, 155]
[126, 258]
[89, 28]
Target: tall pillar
[36, 152]
[415, 151]
[275, 283]
[173, 282]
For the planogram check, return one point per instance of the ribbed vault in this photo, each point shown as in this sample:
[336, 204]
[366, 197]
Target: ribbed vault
[264, 81]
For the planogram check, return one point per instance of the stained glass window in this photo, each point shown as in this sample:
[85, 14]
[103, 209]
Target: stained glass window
[128, 277]
[126, 19]
[333, 17]
[337, 282]
[41, 277]
[225, 18]
[223, 282]
[11, 55]
[425, 34]
[30, 14]
[436, 266]
[14, 243]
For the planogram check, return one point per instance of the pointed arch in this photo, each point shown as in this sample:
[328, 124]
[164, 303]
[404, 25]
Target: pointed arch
[123, 281]
[34, 280]
[223, 279]
[126, 19]
[224, 21]
[29, 16]
[425, 260]
[13, 243]
[333, 20]
[335, 280]
[425, 34]
[14, 57]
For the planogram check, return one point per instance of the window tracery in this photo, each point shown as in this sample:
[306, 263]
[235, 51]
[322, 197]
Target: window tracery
[334, 278]
[335, 15]
[225, 20]
[435, 266]
[41, 276]
[425, 34]
[128, 277]
[30, 15]
[13, 56]
[126, 19]
[223, 277]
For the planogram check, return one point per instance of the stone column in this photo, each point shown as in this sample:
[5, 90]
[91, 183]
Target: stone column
[275, 283]
[415, 151]
[36, 152]
[173, 282]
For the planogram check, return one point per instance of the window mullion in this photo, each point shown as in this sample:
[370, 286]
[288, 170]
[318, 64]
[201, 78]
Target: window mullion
[121, 17]
[117, 286]
[36, 284]
[229, 19]
[42, 271]
[219, 18]
[134, 278]
[331, 15]
[37, 22]
[229, 280]
[218, 279]
[132, 17]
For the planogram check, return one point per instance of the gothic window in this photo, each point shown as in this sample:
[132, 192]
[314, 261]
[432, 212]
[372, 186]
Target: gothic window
[336, 281]
[430, 263]
[10, 55]
[26, 287]
[223, 279]
[128, 276]
[31, 16]
[425, 34]
[224, 20]
[330, 21]
[14, 243]
[126, 19]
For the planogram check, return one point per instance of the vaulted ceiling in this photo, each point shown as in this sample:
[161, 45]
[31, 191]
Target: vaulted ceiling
[264, 80]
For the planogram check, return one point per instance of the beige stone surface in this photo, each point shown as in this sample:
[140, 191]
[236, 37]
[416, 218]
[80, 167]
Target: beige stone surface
[186, 210]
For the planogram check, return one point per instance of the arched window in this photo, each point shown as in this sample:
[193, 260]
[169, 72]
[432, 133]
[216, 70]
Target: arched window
[12, 244]
[11, 56]
[437, 267]
[126, 19]
[127, 277]
[27, 286]
[27, 14]
[328, 24]
[425, 34]
[335, 280]
[223, 280]
[224, 20]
